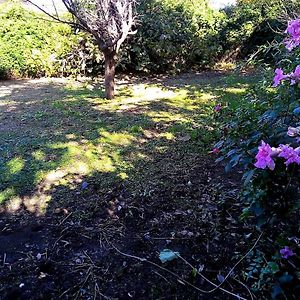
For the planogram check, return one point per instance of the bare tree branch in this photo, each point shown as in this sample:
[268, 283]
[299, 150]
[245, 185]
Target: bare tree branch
[110, 22]
[55, 18]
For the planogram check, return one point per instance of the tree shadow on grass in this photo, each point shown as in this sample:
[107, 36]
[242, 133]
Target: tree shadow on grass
[59, 132]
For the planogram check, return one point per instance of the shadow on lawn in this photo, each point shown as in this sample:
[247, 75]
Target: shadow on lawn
[53, 136]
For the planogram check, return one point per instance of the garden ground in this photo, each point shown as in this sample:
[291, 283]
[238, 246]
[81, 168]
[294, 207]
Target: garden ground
[88, 185]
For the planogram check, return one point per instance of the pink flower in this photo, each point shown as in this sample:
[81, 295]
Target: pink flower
[263, 157]
[279, 75]
[293, 30]
[216, 151]
[286, 252]
[290, 154]
[218, 107]
[295, 76]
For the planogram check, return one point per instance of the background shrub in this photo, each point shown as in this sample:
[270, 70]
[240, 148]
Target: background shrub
[253, 28]
[173, 35]
[32, 46]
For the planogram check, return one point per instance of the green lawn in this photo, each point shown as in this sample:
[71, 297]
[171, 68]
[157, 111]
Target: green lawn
[63, 134]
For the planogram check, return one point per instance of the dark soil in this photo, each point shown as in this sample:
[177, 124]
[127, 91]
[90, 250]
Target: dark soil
[70, 253]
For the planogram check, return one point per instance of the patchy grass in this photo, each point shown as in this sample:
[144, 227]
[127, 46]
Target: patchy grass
[58, 132]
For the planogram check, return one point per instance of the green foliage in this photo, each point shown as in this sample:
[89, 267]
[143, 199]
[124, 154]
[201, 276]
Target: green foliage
[173, 35]
[30, 47]
[34, 47]
[269, 275]
[252, 29]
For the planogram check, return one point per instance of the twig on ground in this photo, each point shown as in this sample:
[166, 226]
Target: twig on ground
[88, 274]
[245, 286]
[174, 274]
[164, 278]
[4, 259]
[231, 270]
[65, 219]
[97, 290]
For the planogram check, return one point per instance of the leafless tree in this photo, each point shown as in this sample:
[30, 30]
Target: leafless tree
[108, 21]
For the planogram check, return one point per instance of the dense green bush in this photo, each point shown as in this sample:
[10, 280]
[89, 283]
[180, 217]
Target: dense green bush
[30, 46]
[173, 35]
[34, 47]
[253, 28]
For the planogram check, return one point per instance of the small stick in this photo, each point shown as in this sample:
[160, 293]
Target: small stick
[164, 278]
[172, 273]
[4, 259]
[65, 219]
[245, 286]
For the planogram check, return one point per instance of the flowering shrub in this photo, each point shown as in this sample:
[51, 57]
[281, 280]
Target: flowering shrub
[263, 139]
[293, 30]
[266, 154]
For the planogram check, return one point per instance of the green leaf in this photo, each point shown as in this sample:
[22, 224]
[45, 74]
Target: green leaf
[248, 176]
[273, 266]
[194, 272]
[285, 278]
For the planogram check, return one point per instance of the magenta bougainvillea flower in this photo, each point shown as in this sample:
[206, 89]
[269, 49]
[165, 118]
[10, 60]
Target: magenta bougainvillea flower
[216, 151]
[293, 30]
[264, 157]
[286, 252]
[295, 76]
[279, 76]
[290, 154]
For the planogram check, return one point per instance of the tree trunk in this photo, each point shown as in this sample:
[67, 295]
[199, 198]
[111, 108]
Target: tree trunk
[110, 70]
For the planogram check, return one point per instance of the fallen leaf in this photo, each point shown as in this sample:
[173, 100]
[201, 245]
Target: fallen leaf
[168, 255]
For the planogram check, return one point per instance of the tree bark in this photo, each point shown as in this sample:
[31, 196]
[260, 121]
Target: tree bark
[110, 70]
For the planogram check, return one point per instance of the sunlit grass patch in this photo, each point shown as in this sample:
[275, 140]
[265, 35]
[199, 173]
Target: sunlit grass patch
[6, 194]
[14, 166]
[49, 142]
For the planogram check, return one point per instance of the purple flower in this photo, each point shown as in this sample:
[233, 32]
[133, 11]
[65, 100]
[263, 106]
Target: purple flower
[218, 107]
[279, 75]
[295, 76]
[290, 154]
[293, 30]
[290, 44]
[263, 157]
[286, 252]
